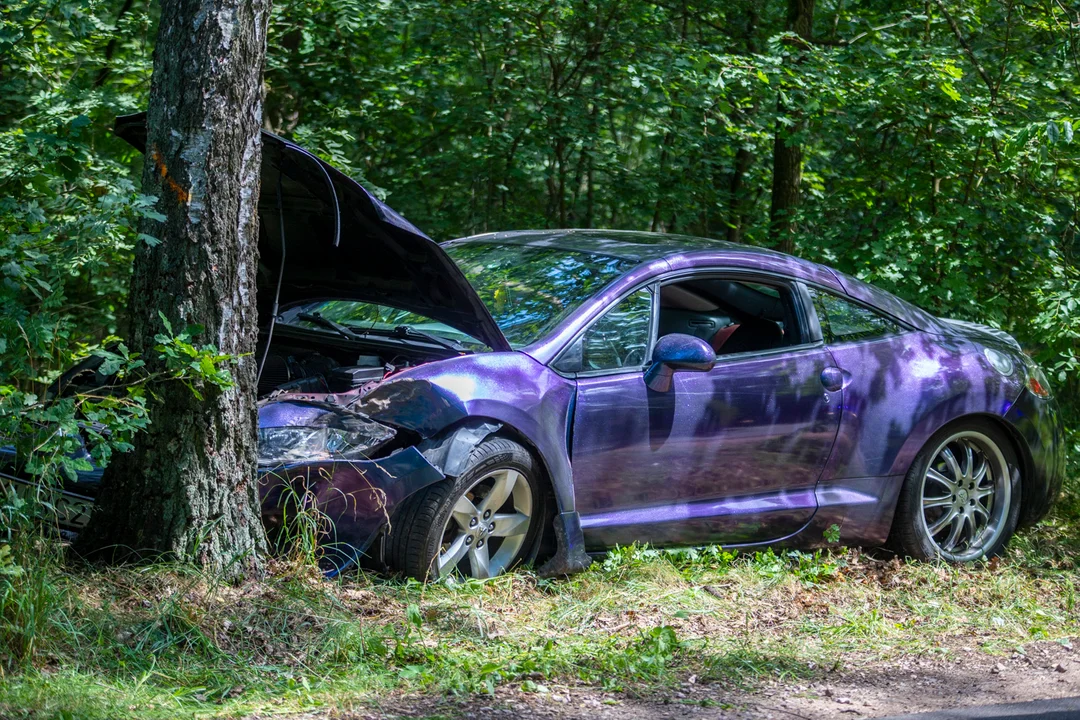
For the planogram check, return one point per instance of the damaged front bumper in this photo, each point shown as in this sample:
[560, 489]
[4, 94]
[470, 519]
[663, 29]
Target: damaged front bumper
[350, 502]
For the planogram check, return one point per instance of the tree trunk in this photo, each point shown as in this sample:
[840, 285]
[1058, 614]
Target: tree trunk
[736, 202]
[787, 153]
[188, 490]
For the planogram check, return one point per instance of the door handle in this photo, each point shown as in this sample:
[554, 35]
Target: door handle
[833, 378]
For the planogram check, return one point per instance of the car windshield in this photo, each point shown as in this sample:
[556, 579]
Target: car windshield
[527, 289]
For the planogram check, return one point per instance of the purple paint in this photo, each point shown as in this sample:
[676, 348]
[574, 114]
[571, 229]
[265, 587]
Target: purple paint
[773, 448]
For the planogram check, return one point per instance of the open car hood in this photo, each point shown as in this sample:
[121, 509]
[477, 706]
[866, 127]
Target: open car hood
[341, 242]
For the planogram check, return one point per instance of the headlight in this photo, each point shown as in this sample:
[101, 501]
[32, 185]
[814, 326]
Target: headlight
[355, 441]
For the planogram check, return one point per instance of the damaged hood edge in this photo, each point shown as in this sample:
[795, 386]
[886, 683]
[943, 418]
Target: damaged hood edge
[373, 254]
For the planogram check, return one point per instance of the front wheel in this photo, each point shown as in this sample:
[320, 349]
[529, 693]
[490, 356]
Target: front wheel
[961, 498]
[480, 524]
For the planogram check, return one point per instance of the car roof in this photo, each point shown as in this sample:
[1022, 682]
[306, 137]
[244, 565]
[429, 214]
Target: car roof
[680, 252]
[685, 252]
[626, 244]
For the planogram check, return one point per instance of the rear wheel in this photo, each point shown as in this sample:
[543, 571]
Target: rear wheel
[961, 498]
[480, 524]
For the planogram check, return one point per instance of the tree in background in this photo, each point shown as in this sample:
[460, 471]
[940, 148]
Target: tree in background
[934, 140]
[787, 147]
[188, 489]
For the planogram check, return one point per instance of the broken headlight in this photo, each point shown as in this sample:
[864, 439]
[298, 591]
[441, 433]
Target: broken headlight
[355, 440]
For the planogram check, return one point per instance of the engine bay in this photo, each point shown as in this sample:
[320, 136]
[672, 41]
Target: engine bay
[307, 363]
[295, 370]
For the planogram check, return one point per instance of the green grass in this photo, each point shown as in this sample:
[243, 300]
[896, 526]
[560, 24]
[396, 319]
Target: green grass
[162, 641]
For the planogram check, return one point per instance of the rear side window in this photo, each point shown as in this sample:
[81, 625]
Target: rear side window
[843, 321]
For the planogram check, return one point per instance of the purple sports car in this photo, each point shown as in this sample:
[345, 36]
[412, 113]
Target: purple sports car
[533, 396]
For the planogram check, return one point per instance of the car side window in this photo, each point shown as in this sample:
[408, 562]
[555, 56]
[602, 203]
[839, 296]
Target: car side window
[843, 321]
[619, 339]
[733, 315]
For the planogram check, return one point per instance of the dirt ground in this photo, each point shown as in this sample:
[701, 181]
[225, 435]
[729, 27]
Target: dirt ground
[1044, 671]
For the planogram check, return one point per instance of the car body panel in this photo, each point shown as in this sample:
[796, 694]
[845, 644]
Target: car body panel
[358, 497]
[900, 390]
[756, 260]
[861, 509]
[736, 450]
[1041, 436]
[510, 388]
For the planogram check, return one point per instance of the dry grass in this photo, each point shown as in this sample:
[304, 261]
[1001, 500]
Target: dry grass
[162, 640]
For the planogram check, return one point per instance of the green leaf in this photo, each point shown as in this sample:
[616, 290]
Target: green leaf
[110, 364]
[832, 534]
[149, 239]
[165, 322]
[1052, 133]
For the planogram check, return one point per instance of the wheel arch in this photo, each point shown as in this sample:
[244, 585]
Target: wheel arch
[1018, 446]
[450, 448]
[561, 550]
[457, 440]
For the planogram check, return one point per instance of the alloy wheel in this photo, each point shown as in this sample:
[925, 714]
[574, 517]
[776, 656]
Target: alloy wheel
[966, 496]
[487, 526]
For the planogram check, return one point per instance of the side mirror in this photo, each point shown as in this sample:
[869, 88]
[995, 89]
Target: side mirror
[677, 352]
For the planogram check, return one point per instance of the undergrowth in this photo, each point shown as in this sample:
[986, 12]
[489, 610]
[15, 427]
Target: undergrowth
[165, 640]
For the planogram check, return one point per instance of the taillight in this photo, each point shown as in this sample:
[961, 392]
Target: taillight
[1036, 381]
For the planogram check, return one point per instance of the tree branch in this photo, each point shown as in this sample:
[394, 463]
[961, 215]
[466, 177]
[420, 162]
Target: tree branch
[967, 48]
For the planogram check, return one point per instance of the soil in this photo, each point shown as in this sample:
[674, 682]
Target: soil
[967, 677]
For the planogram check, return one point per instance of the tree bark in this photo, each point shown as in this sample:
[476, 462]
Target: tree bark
[736, 202]
[188, 490]
[787, 152]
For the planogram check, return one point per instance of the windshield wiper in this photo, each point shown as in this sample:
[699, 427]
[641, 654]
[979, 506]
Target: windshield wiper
[405, 331]
[401, 331]
[329, 324]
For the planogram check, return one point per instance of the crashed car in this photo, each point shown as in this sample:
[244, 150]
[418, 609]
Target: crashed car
[534, 396]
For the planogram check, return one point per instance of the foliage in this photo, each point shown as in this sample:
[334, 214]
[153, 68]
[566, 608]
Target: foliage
[68, 209]
[940, 163]
[939, 147]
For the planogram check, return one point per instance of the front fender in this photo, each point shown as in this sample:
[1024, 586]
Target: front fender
[508, 388]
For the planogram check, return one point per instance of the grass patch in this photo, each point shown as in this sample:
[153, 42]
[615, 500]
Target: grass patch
[162, 641]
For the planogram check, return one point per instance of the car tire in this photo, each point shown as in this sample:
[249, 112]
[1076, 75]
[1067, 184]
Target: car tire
[955, 505]
[426, 531]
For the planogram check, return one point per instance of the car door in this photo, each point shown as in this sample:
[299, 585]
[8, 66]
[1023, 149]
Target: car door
[728, 456]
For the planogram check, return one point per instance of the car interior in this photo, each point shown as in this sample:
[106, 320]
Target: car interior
[733, 316]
